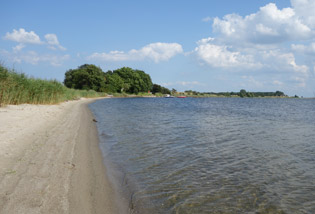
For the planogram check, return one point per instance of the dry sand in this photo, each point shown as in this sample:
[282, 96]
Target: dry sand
[50, 161]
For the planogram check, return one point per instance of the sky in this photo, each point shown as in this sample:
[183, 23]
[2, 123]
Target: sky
[201, 45]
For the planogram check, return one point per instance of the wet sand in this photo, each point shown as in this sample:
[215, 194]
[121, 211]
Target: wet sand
[50, 161]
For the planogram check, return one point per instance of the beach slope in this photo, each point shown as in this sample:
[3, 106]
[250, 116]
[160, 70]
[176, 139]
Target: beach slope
[50, 161]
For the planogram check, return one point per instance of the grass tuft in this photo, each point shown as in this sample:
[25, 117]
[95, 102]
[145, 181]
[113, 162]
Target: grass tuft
[18, 88]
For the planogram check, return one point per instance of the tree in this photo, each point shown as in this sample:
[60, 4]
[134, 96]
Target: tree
[114, 83]
[156, 88]
[145, 82]
[121, 80]
[242, 93]
[249, 94]
[134, 81]
[160, 89]
[86, 77]
[279, 93]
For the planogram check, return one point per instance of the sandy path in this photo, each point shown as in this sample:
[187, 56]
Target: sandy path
[50, 161]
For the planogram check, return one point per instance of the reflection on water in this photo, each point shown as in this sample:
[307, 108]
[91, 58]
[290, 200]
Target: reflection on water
[213, 155]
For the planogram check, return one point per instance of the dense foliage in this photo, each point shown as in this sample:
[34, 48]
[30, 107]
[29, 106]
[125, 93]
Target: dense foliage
[242, 93]
[17, 88]
[124, 79]
[160, 89]
[128, 80]
[87, 77]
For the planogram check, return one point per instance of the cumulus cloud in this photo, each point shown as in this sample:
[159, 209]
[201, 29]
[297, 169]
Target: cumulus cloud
[221, 55]
[277, 60]
[53, 42]
[304, 9]
[265, 46]
[154, 51]
[23, 36]
[233, 58]
[269, 25]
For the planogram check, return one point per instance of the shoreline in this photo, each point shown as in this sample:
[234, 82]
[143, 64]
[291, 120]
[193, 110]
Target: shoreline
[50, 161]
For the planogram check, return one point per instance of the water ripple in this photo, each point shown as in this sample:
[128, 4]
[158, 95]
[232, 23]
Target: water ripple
[211, 155]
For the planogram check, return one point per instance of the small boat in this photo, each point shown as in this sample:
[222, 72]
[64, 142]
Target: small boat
[181, 97]
[169, 96]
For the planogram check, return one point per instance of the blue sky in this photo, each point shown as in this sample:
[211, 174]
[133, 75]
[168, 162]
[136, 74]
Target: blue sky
[202, 45]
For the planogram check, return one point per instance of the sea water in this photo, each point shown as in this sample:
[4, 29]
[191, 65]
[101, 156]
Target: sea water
[210, 155]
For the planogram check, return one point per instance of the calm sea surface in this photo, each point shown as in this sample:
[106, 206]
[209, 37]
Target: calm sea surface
[210, 155]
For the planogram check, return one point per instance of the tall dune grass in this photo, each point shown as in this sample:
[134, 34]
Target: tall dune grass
[17, 88]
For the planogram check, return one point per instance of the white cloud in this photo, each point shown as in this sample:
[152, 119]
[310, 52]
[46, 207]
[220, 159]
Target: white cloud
[52, 40]
[268, 26]
[265, 30]
[248, 59]
[260, 42]
[305, 10]
[283, 62]
[310, 49]
[285, 65]
[205, 41]
[220, 55]
[23, 36]
[19, 47]
[154, 51]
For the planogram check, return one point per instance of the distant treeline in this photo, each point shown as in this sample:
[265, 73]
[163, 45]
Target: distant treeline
[122, 80]
[17, 88]
[241, 93]
[130, 81]
[90, 81]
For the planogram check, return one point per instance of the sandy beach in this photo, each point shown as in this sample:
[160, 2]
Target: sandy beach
[50, 161]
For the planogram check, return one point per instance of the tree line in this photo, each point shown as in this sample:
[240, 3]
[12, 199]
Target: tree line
[241, 93]
[133, 81]
[122, 80]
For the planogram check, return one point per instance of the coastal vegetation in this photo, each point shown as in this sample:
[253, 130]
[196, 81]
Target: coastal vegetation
[129, 82]
[17, 88]
[90, 81]
[242, 93]
[86, 77]
[123, 80]
[160, 89]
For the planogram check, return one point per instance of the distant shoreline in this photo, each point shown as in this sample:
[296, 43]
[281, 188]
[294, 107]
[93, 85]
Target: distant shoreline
[191, 96]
